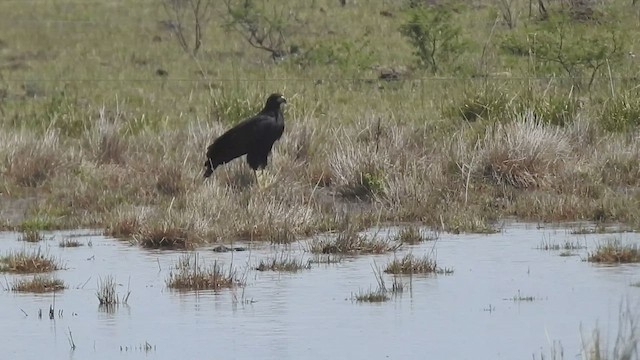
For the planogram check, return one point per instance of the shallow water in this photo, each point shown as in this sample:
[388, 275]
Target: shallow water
[470, 314]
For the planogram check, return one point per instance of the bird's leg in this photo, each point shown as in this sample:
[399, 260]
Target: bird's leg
[255, 174]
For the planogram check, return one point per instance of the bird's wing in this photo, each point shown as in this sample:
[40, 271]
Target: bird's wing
[236, 142]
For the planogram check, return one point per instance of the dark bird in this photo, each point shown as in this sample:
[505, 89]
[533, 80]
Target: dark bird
[254, 137]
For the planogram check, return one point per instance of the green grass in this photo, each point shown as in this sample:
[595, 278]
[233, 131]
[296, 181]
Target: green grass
[105, 121]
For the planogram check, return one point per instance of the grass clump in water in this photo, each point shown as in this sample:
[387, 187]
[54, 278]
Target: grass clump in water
[615, 252]
[163, 238]
[24, 261]
[107, 295]
[69, 242]
[282, 264]
[412, 235]
[188, 274]
[410, 264]
[31, 236]
[38, 284]
[350, 241]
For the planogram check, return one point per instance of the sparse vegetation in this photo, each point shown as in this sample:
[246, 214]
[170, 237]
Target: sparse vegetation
[25, 261]
[614, 251]
[520, 297]
[107, 295]
[380, 294]
[547, 244]
[38, 284]
[189, 274]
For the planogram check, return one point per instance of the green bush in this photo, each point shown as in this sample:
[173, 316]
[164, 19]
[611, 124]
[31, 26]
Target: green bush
[621, 113]
[434, 35]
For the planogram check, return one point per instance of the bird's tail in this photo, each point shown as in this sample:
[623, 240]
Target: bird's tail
[209, 169]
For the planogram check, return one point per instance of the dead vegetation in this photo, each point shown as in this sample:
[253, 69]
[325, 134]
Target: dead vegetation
[189, 274]
[38, 284]
[412, 235]
[31, 236]
[69, 243]
[24, 261]
[614, 251]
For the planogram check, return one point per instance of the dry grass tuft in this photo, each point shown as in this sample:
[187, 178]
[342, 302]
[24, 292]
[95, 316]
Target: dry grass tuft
[283, 263]
[34, 160]
[163, 238]
[38, 284]
[524, 153]
[410, 264]
[188, 274]
[615, 252]
[171, 181]
[351, 242]
[24, 261]
[373, 295]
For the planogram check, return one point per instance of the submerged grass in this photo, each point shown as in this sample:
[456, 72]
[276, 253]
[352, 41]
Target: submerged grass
[38, 284]
[24, 261]
[614, 251]
[546, 244]
[189, 274]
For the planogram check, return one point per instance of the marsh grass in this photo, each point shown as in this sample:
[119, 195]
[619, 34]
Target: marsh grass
[25, 261]
[107, 294]
[38, 284]
[69, 243]
[614, 251]
[283, 263]
[31, 236]
[189, 274]
[409, 264]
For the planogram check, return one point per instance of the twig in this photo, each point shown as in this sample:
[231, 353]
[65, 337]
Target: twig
[71, 342]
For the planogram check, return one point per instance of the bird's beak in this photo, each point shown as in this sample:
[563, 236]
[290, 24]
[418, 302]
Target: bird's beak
[284, 100]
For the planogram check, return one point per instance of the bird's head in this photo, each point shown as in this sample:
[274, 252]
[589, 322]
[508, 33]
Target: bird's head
[274, 101]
